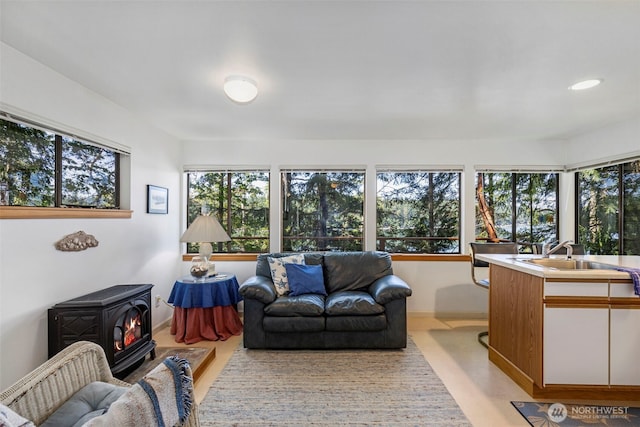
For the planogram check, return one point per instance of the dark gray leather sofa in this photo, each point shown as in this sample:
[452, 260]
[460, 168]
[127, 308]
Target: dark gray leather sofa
[365, 306]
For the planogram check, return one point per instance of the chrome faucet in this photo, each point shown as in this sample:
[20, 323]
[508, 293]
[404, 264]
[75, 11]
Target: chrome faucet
[547, 250]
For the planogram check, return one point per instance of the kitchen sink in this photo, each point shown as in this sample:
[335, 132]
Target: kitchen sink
[568, 264]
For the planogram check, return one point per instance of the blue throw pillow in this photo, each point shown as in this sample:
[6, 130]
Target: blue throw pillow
[305, 279]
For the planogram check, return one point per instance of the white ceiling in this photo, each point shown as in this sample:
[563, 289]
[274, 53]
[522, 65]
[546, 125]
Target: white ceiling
[346, 70]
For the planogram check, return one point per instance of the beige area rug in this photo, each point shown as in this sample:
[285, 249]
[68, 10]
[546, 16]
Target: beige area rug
[329, 388]
[198, 357]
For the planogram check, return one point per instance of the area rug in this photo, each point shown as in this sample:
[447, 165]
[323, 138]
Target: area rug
[198, 357]
[574, 414]
[329, 388]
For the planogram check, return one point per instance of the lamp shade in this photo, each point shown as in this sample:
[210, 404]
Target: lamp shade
[205, 228]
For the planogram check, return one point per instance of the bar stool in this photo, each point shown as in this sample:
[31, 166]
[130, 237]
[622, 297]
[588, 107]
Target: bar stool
[487, 248]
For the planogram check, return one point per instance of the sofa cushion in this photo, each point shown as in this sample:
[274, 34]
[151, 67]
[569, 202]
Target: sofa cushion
[89, 402]
[305, 279]
[293, 324]
[357, 323]
[352, 271]
[279, 272]
[351, 303]
[301, 305]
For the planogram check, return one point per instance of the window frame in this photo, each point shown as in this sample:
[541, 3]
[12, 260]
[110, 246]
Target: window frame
[621, 198]
[59, 211]
[321, 170]
[527, 246]
[431, 171]
[229, 214]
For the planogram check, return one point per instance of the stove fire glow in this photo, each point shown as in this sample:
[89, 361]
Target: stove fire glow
[128, 331]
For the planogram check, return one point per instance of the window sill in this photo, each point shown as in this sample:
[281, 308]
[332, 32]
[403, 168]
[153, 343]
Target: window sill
[431, 257]
[30, 212]
[226, 257]
[394, 257]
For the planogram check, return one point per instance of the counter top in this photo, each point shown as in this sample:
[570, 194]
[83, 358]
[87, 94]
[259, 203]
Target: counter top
[516, 263]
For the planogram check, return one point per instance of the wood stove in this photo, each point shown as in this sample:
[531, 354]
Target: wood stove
[116, 318]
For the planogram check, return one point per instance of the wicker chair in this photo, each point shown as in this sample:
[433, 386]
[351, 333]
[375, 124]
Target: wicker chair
[38, 394]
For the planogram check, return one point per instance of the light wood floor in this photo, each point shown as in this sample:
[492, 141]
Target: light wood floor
[450, 346]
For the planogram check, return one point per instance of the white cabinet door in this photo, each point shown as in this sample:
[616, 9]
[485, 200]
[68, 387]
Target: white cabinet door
[576, 346]
[625, 346]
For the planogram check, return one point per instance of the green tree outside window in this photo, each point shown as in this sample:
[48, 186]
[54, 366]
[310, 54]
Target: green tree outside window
[322, 211]
[418, 212]
[239, 200]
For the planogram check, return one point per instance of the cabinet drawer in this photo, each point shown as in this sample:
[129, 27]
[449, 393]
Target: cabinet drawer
[623, 290]
[578, 289]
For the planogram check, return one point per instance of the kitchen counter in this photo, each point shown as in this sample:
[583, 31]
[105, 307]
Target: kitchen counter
[565, 333]
[516, 263]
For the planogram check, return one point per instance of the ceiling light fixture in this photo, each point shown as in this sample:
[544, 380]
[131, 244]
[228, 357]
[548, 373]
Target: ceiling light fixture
[585, 84]
[240, 89]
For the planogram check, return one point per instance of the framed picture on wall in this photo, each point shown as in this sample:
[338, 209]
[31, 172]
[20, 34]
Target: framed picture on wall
[157, 199]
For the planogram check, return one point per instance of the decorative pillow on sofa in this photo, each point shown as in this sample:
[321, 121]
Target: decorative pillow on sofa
[279, 272]
[305, 279]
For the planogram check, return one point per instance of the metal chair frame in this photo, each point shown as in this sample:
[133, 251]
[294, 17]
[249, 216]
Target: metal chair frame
[487, 248]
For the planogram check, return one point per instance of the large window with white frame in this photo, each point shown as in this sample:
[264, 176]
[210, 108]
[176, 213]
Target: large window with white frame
[418, 211]
[240, 201]
[322, 210]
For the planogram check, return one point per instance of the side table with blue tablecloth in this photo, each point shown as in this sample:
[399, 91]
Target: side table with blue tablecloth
[205, 309]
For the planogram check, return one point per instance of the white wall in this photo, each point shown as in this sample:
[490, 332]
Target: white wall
[611, 142]
[144, 249]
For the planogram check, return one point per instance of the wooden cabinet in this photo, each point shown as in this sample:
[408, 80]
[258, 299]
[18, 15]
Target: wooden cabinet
[625, 346]
[565, 337]
[576, 333]
[576, 349]
[624, 335]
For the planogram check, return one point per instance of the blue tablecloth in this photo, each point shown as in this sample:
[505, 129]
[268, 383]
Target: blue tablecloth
[220, 290]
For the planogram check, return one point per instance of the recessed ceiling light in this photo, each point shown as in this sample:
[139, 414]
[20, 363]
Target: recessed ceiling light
[240, 89]
[585, 84]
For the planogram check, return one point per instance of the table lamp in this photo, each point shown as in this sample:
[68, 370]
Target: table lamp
[204, 230]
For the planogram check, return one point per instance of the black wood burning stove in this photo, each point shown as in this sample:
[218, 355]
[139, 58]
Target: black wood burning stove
[117, 318]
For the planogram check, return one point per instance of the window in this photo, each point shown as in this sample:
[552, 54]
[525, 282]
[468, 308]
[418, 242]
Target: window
[44, 168]
[518, 207]
[418, 212]
[608, 209]
[239, 200]
[322, 210]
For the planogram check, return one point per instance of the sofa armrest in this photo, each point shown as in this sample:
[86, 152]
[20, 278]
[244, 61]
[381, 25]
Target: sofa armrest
[259, 288]
[389, 288]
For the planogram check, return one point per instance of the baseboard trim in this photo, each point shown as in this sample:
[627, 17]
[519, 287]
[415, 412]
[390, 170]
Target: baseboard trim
[447, 315]
[162, 325]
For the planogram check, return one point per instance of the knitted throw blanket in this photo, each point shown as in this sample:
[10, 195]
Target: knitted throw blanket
[161, 398]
